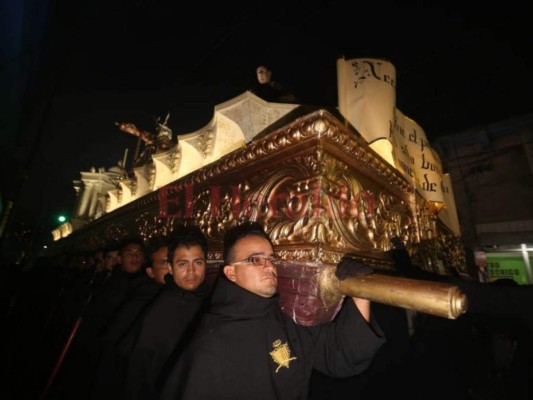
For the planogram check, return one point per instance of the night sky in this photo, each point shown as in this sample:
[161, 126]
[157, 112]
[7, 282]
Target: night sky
[71, 69]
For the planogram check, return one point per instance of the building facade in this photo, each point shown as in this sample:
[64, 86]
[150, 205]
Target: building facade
[491, 168]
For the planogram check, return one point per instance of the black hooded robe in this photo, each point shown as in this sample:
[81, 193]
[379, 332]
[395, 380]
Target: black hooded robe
[247, 348]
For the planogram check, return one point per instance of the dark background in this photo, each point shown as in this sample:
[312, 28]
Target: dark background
[70, 69]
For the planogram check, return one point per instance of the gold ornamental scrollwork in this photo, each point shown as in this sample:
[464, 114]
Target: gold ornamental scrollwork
[150, 226]
[313, 199]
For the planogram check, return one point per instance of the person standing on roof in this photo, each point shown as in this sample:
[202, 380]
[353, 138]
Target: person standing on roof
[270, 90]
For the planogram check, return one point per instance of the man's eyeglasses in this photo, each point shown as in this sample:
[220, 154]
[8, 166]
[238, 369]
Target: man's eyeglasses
[258, 261]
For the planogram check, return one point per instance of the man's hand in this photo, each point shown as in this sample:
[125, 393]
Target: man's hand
[348, 266]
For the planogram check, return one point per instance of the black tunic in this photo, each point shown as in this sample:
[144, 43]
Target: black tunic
[247, 348]
[109, 373]
[273, 92]
[78, 371]
[166, 324]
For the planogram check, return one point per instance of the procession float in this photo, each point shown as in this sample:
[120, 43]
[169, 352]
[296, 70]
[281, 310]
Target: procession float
[324, 182]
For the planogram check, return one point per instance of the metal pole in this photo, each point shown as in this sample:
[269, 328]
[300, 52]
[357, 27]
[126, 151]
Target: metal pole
[436, 298]
[60, 359]
[525, 256]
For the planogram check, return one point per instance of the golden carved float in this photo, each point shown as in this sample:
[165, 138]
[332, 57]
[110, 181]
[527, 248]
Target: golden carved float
[323, 182]
[321, 192]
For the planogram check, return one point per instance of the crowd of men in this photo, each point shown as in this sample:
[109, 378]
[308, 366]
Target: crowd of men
[145, 321]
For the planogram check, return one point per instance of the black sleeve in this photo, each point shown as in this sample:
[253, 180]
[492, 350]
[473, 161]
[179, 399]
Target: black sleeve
[346, 346]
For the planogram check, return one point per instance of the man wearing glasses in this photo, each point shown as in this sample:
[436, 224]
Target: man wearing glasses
[247, 348]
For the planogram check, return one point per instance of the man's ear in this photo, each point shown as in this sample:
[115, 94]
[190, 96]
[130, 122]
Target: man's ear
[169, 268]
[229, 271]
[150, 272]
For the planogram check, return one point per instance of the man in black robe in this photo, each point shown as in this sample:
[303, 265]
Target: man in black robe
[110, 369]
[247, 348]
[77, 372]
[167, 323]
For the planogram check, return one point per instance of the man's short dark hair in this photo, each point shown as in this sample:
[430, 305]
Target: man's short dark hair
[110, 247]
[131, 240]
[156, 243]
[233, 235]
[186, 236]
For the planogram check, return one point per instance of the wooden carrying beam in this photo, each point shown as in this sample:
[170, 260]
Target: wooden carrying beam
[313, 294]
[435, 298]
